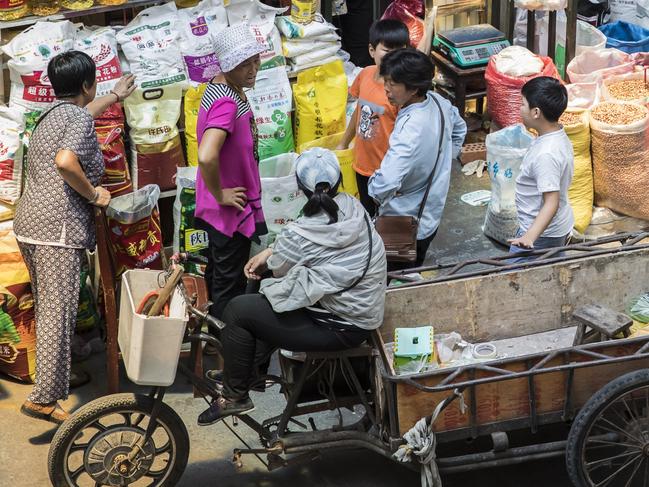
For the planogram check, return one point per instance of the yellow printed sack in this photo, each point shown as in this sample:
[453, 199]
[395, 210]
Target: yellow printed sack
[17, 324]
[320, 96]
[581, 192]
[345, 159]
[192, 104]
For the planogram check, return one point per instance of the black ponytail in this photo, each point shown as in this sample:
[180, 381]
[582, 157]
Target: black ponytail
[322, 199]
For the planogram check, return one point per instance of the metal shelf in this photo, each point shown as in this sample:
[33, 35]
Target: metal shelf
[70, 14]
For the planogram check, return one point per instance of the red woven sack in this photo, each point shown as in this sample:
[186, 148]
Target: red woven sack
[408, 12]
[504, 92]
[110, 134]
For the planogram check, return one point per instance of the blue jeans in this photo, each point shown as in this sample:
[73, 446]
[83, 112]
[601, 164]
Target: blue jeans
[540, 244]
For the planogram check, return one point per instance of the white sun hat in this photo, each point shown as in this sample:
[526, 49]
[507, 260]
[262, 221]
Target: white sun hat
[235, 44]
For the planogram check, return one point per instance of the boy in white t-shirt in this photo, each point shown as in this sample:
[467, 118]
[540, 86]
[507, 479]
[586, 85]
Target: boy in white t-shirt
[544, 214]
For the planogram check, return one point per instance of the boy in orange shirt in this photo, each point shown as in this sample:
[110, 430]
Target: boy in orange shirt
[373, 119]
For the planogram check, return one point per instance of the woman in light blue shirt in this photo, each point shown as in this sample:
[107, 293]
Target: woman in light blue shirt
[400, 183]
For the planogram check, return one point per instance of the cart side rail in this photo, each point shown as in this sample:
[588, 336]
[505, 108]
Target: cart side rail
[511, 393]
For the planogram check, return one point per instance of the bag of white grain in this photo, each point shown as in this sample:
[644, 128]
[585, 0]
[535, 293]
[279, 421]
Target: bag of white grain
[505, 151]
[620, 148]
[318, 29]
[506, 74]
[152, 113]
[17, 324]
[580, 194]
[12, 126]
[197, 26]
[271, 102]
[319, 57]
[29, 53]
[629, 87]
[150, 43]
[261, 20]
[592, 66]
[101, 45]
[281, 198]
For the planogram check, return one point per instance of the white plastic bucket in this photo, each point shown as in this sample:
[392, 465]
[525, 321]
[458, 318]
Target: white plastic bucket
[150, 346]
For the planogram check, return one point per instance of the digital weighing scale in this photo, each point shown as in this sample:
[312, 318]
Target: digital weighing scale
[470, 46]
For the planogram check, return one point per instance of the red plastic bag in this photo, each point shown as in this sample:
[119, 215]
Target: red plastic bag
[408, 12]
[504, 92]
[110, 134]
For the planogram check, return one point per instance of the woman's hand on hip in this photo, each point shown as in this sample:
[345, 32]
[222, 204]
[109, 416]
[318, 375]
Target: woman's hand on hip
[102, 197]
[233, 197]
[257, 265]
[124, 87]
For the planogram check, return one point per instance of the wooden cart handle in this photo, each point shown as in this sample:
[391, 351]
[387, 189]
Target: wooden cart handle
[168, 288]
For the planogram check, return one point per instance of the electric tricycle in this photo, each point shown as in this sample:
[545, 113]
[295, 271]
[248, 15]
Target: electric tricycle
[448, 419]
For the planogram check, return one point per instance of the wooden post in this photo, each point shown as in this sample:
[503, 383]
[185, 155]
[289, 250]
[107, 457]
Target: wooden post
[511, 20]
[552, 34]
[107, 272]
[493, 14]
[531, 19]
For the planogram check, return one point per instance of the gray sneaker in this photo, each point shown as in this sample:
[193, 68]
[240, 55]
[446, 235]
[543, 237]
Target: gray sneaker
[222, 408]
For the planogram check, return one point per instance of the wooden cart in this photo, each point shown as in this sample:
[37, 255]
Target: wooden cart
[604, 385]
[588, 402]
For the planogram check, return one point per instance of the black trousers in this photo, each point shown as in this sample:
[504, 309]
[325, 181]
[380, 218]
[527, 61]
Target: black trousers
[354, 30]
[224, 272]
[366, 200]
[254, 331]
[422, 250]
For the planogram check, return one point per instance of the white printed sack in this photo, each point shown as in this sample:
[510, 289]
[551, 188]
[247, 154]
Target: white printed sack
[197, 26]
[292, 48]
[316, 28]
[261, 19]
[153, 110]
[281, 198]
[271, 101]
[151, 44]
[11, 154]
[29, 53]
[101, 45]
[311, 58]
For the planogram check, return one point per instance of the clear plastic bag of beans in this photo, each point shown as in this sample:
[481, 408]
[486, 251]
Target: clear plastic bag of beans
[620, 150]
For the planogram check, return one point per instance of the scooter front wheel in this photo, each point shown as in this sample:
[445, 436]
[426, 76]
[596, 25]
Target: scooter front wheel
[92, 446]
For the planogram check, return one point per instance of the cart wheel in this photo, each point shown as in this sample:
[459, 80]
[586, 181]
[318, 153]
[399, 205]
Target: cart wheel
[608, 443]
[90, 447]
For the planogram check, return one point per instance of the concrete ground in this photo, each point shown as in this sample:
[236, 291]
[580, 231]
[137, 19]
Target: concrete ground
[24, 442]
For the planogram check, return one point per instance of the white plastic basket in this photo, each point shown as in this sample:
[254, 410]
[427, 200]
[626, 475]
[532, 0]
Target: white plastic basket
[150, 346]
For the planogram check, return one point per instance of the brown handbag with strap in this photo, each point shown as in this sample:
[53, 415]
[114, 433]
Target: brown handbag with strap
[399, 233]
